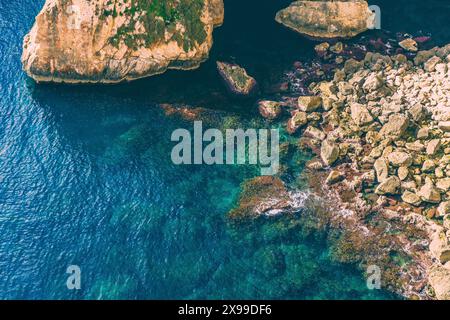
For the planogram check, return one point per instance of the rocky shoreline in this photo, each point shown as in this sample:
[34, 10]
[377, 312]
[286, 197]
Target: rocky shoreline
[380, 130]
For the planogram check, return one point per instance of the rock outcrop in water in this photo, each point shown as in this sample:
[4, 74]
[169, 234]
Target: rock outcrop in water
[327, 19]
[236, 78]
[110, 41]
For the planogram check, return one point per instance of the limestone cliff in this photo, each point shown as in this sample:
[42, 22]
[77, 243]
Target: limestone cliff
[327, 18]
[110, 41]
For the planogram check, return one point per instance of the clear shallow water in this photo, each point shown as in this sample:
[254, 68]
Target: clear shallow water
[86, 179]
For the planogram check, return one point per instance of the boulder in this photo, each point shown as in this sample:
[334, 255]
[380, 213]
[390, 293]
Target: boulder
[402, 173]
[399, 158]
[411, 198]
[395, 127]
[106, 41]
[322, 48]
[429, 193]
[373, 83]
[236, 78]
[298, 120]
[390, 185]
[417, 112]
[428, 166]
[381, 167]
[329, 152]
[309, 103]
[416, 146]
[430, 65]
[327, 19]
[433, 146]
[315, 133]
[423, 133]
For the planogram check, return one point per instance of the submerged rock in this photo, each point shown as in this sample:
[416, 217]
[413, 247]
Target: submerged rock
[270, 109]
[409, 45]
[236, 78]
[265, 195]
[327, 19]
[104, 41]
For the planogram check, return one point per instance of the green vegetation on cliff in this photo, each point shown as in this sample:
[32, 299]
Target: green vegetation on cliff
[157, 17]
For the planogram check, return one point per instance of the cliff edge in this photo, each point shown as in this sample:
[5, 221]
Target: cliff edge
[109, 41]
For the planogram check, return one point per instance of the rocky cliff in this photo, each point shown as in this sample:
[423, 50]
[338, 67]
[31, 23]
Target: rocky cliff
[110, 41]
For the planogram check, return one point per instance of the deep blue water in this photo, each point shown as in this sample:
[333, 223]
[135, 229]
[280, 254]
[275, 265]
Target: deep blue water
[86, 179]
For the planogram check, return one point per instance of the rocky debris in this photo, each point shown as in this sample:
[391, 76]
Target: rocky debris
[236, 78]
[327, 19]
[409, 45]
[388, 118]
[108, 42]
[309, 103]
[270, 109]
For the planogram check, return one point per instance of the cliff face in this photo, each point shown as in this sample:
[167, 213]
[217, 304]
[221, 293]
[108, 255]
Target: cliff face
[327, 18]
[114, 40]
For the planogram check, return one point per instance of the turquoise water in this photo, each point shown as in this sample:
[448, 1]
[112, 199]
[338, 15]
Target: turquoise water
[86, 179]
